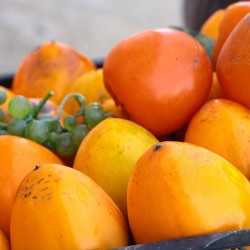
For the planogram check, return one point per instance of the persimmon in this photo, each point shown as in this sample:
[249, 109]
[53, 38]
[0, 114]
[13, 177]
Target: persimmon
[160, 77]
[223, 126]
[233, 14]
[108, 155]
[233, 67]
[58, 207]
[52, 66]
[178, 189]
[211, 26]
[18, 157]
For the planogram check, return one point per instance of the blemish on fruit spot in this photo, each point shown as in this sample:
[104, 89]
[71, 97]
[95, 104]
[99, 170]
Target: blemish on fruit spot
[157, 147]
[36, 168]
[195, 60]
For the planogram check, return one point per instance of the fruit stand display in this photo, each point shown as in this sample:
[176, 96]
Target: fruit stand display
[147, 148]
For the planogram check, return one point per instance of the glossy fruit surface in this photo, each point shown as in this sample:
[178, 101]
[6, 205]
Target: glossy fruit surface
[58, 207]
[18, 157]
[178, 190]
[233, 67]
[108, 155]
[52, 66]
[223, 127]
[160, 77]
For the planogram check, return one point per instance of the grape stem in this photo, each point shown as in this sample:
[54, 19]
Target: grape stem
[42, 103]
[79, 98]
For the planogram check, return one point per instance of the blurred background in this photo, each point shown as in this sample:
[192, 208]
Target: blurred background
[91, 26]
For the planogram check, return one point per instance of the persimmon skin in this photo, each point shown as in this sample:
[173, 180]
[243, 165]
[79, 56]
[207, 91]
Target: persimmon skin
[160, 77]
[233, 67]
[179, 190]
[19, 156]
[223, 126]
[211, 26]
[232, 15]
[52, 66]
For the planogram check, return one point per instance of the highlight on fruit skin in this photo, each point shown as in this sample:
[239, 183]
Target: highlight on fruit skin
[180, 190]
[146, 73]
[58, 207]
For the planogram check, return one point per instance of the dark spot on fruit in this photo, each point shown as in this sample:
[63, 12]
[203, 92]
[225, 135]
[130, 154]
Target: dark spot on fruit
[36, 168]
[157, 147]
[27, 195]
[40, 180]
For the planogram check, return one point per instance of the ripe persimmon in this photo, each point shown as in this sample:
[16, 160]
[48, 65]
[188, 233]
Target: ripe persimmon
[211, 26]
[52, 66]
[178, 189]
[108, 155]
[233, 14]
[18, 157]
[160, 77]
[58, 207]
[233, 64]
[223, 126]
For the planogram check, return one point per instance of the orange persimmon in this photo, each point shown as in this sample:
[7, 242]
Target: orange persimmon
[160, 77]
[233, 14]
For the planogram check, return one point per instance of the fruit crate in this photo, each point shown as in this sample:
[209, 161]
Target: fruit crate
[236, 239]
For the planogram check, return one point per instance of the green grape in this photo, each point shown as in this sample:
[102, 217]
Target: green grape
[2, 115]
[51, 146]
[78, 134]
[51, 123]
[3, 96]
[64, 144]
[94, 114]
[37, 131]
[53, 137]
[19, 107]
[16, 126]
[70, 122]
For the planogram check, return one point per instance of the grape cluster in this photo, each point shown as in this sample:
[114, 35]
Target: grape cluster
[62, 137]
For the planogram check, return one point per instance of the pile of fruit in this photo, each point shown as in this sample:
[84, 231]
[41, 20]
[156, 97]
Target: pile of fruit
[154, 145]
